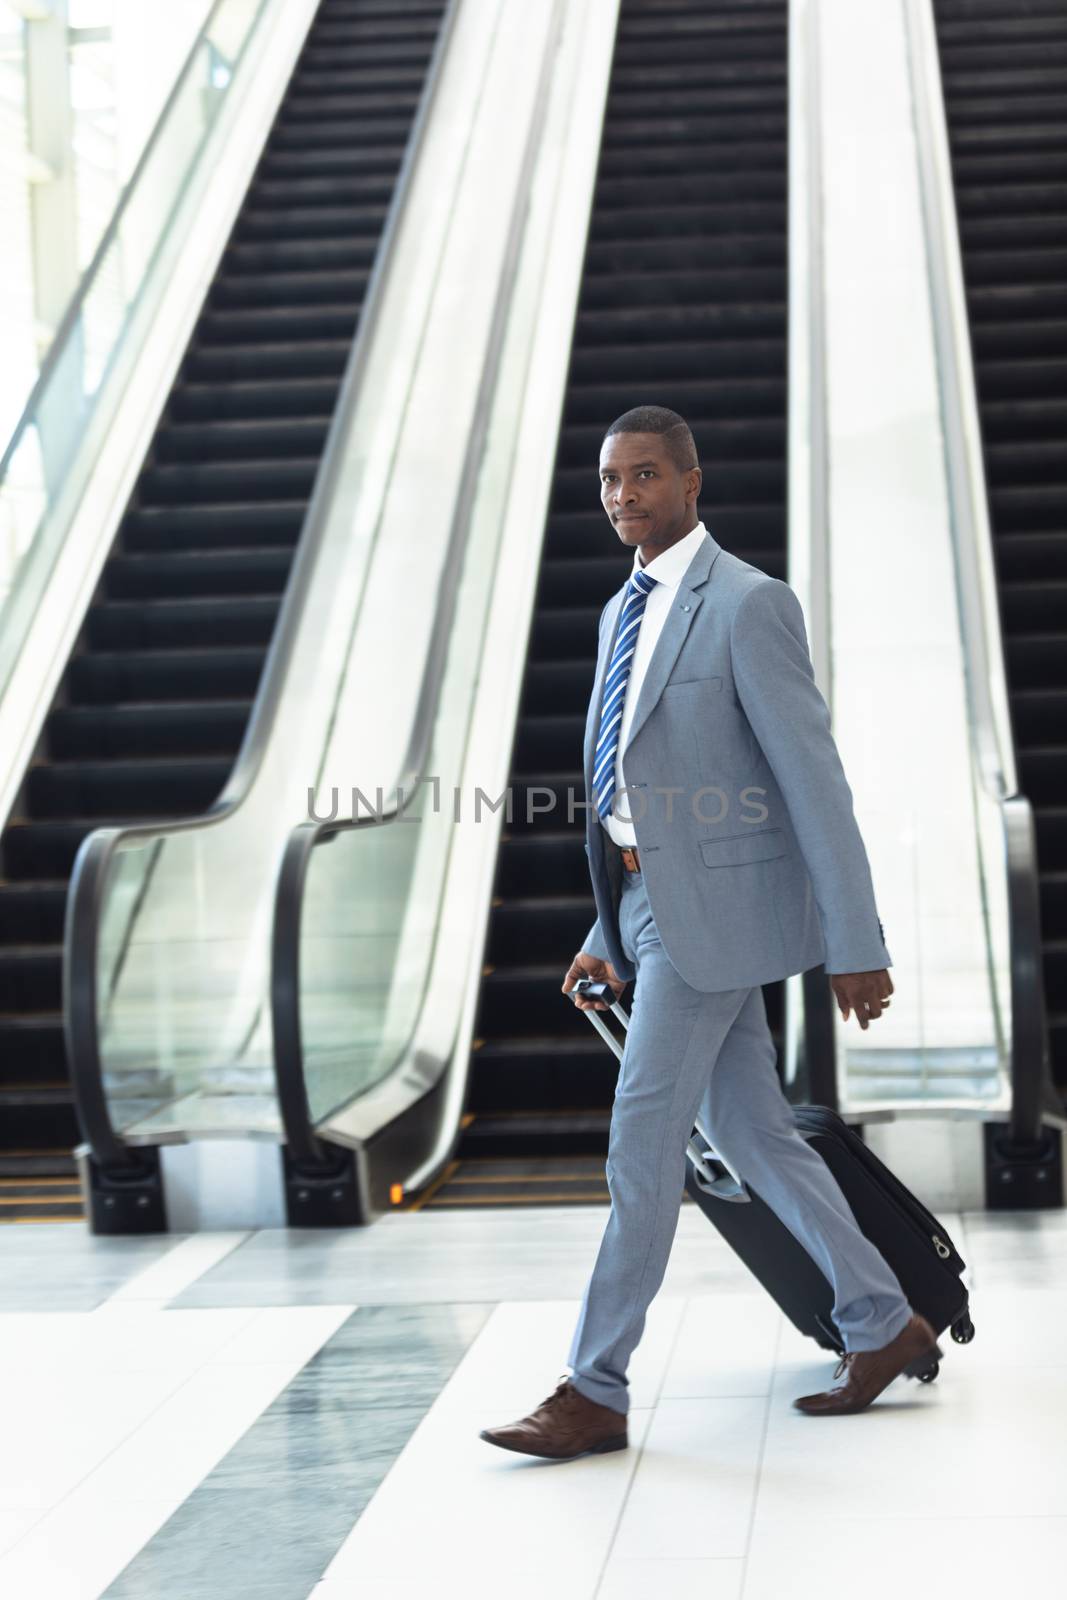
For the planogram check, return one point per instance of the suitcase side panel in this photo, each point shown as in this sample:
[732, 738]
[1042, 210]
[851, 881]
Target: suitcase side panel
[781, 1263]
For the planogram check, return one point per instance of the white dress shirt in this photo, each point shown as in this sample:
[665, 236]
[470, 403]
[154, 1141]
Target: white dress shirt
[668, 569]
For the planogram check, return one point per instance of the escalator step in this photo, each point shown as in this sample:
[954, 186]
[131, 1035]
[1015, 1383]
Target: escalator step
[276, 324]
[107, 675]
[1037, 715]
[37, 1163]
[267, 290]
[1054, 904]
[1028, 508]
[1026, 237]
[581, 579]
[1022, 168]
[32, 912]
[155, 788]
[235, 441]
[591, 402]
[337, 53]
[545, 801]
[157, 624]
[1033, 605]
[562, 630]
[1018, 197]
[1043, 768]
[1042, 263]
[34, 849]
[30, 978]
[198, 572]
[312, 358]
[287, 398]
[334, 127]
[698, 191]
[320, 221]
[547, 743]
[295, 193]
[350, 161]
[1025, 420]
[542, 862]
[238, 480]
[272, 256]
[1032, 555]
[544, 930]
[1036, 659]
[187, 728]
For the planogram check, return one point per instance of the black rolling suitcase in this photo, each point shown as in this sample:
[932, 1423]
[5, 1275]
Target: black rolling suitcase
[910, 1238]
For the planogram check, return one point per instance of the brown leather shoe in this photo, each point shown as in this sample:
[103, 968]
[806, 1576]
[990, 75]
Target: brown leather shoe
[565, 1425]
[868, 1372]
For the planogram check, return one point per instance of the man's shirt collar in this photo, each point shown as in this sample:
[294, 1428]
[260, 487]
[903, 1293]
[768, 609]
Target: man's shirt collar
[670, 566]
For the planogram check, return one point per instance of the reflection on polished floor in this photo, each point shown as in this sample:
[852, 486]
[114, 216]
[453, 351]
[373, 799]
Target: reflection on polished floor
[296, 1414]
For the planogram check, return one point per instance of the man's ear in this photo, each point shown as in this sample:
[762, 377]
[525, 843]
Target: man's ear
[693, 480]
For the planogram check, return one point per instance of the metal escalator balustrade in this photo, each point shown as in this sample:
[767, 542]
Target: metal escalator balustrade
[1004, 75]
[683, 304]
[155, 701]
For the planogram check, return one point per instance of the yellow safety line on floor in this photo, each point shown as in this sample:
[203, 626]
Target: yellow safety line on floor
[417, 1205]
[533, 1177]
[502, 1200]
[15, 1222]
[10, 1183]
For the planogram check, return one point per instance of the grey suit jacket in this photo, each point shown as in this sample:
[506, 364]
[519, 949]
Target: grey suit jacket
[754, 865]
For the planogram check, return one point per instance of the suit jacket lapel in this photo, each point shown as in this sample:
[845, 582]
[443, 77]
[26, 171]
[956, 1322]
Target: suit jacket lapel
[684, 606]
[669, 643]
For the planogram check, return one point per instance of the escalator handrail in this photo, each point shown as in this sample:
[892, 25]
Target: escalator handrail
[304, 1146]
[993, 747]
[68, 326]
[92, 864]
[807, 319]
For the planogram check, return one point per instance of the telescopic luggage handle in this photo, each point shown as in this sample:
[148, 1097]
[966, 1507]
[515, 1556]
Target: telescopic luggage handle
[708, 1165]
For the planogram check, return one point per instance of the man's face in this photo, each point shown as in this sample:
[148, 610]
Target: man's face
[649, 501]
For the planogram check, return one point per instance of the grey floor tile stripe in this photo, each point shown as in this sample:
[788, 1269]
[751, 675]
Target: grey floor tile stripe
[57, 1267]
[271, 1516]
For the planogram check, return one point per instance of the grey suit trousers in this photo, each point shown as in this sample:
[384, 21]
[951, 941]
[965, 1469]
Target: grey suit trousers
[688, 1054]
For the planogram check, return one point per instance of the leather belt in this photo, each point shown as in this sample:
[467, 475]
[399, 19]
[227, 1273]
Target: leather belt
[631, 859]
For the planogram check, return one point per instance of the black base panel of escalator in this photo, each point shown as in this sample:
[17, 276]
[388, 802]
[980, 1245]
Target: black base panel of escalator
[1004, 71]
[683, 304]
[155, 700]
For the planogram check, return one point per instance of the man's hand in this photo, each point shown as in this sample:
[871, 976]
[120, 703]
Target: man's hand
[586, 966]
[865, 993]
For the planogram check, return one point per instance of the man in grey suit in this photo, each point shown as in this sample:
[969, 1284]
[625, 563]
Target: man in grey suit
[726, 858]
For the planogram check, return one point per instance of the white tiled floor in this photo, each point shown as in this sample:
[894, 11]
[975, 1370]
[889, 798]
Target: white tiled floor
[727, 1488]
[113, 1416]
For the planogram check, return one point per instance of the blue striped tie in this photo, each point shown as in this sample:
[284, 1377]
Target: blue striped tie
[638, 591]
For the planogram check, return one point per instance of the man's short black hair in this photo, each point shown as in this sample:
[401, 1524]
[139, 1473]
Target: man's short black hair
[673, 429]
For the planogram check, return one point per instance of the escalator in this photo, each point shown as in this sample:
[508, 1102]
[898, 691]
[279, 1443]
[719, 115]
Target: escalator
[683, 304]
[1004, 72]
[154, 703]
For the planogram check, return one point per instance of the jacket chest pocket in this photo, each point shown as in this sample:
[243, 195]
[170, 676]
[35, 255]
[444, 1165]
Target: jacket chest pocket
[739, 848]
[709, 687]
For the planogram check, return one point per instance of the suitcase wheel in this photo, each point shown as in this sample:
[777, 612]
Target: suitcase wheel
[925, 1367]
[963, 1329]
